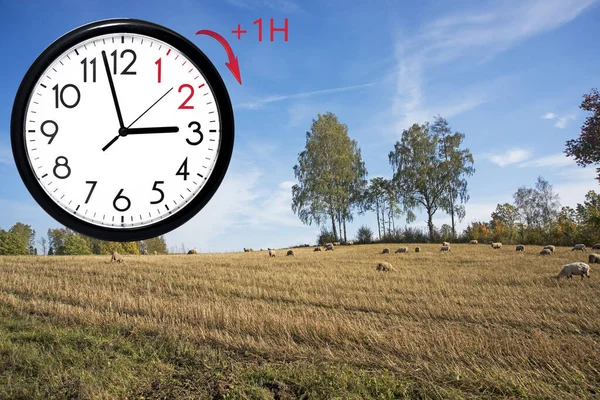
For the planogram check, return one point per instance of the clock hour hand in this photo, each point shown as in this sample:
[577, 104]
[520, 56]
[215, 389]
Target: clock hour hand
[159, 129]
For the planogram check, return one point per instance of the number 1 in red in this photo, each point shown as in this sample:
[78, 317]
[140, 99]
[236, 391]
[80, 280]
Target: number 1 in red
[159, 64]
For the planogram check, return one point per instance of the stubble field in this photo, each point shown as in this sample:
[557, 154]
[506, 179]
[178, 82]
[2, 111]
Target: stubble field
[472, 323]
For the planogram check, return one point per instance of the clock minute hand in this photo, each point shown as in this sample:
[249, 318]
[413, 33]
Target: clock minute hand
[159, 129]
[112, 90]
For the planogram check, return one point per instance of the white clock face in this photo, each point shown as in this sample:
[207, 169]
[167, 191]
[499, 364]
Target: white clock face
[128, 171]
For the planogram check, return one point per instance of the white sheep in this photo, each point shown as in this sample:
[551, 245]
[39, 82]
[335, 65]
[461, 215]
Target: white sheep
[580, 247]
[550, 247]
[271, 253]
[402, 250]
[496, 245]
[596, 246]
[545, 252]
[594, 258]
[576, 268]
[474, 242]
[445, 248]
[385, 251]
[520, 247]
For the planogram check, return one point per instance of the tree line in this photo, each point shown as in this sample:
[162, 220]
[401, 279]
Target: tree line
[20, 239]
[430, 170]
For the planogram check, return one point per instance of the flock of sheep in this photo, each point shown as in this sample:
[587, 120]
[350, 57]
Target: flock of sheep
[568, 270]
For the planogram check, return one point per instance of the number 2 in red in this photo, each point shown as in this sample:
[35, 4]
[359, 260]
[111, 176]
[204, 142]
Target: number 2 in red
[183, 105]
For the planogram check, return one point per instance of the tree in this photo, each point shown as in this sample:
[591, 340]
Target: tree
[75, 245]
[156, 244]
[11, 243]
[57, 237]
[586, 148]
[420, 174]
[588, 216]
[331, 175]
[26, 234]
[364, 235]
[43, 244]
[375, 200]
[460, 163]
[538, 206]
[507, 216]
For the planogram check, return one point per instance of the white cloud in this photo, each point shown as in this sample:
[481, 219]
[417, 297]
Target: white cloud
[468, 37]
[509, 157]
[286, 6]
[549, 116]
[554, 160]
[253, 105]
[562, 121]
[6, 156]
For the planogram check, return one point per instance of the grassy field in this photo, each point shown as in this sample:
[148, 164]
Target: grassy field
[473, 323]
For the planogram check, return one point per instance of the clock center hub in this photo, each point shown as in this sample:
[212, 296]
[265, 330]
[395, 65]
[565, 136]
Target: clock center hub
[122, 131]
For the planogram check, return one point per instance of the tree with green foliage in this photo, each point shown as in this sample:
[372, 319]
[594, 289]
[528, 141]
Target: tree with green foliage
[75, 245]
[12, 244]
[56, 239]
[460, 162]
[422, 173]
[331, 175]
[26, 234]
[586, 148]
[507, 216]
[375, 200]
[538, 206]
[156, 244]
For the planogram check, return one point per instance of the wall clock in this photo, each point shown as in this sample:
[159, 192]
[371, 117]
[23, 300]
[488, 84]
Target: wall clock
[122, 130]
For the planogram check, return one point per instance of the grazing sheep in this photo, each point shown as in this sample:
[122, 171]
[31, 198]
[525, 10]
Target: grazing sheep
[116, 257]
[594, 258]
[496, 245]
[576, 268]
[520, 247]
[385, 267]
[290, 253]
[445, 244]
[247, 250]
[545, 252]
[402, 250]
[473, 242]
[144, 252]
[271, 253]
[445, 248]
[336, 243]
[579, 246]
[417, 249]
[385, 251]
[550, 247]
[349, 243]
[329, 246]
[155, 253]
[193, 251]
[596, 246]
[318, 249]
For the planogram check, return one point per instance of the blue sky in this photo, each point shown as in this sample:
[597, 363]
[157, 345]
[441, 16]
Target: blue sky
[509, 74]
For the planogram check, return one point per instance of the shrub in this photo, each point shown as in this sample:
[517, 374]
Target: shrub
[364, 235]
[325, 236]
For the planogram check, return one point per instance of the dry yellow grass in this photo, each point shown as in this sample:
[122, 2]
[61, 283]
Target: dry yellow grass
[475, 322]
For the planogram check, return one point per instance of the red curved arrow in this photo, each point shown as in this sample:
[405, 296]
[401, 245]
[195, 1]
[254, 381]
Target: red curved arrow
[233, 64]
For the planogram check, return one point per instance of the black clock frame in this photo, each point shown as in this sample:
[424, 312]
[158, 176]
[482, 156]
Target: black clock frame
[131, 26]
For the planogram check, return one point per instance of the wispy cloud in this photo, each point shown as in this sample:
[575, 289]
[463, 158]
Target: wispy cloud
[549, 116]
[563, 121]
[554, 160]
[6, 155]
[509, 157]
[256, 104]
[469, 37]
[287, 6]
